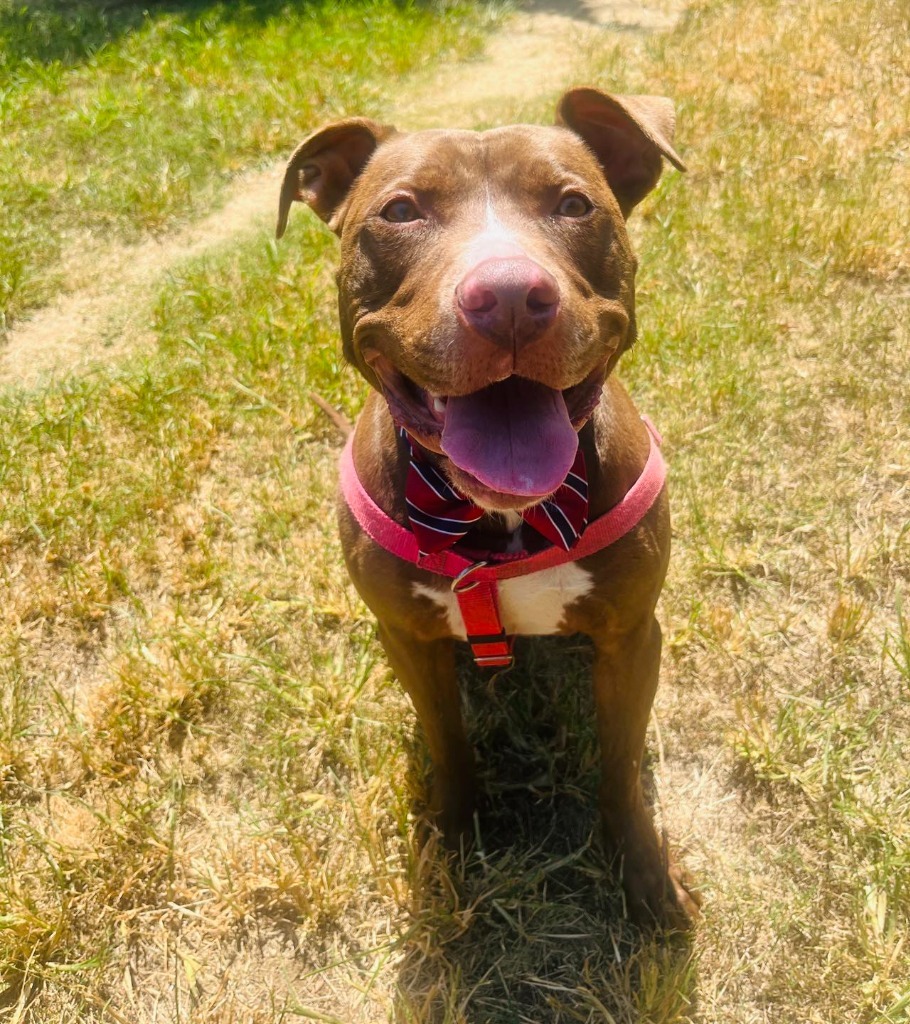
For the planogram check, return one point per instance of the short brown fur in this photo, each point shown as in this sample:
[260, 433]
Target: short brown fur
[399, 323]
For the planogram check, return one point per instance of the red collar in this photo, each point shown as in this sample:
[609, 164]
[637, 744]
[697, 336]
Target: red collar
[474, 583]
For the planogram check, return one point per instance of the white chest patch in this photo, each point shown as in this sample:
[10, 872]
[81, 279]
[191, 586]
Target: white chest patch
[531, 605]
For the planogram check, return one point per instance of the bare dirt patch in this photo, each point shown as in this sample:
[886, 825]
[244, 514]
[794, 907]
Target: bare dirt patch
[106, 312]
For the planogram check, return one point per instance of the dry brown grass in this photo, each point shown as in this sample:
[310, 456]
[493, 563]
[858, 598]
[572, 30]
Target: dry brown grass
[776, 359]
[209, 780]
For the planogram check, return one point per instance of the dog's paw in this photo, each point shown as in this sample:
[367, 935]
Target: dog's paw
[685, 899]
[660, 893]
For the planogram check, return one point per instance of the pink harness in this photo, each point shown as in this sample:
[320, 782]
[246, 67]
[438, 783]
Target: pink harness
[475, 583]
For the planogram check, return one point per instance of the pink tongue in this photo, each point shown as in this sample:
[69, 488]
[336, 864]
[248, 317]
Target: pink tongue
[515, 437]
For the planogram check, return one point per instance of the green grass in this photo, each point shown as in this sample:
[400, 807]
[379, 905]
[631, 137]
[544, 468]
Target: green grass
[118, 123]
[774, 349]
[176, 673]
[208, 777]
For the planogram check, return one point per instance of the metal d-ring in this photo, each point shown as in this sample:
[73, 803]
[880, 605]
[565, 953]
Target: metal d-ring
[456, 589]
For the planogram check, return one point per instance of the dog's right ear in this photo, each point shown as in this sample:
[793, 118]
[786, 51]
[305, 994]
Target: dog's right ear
[628, 134]
[326, 164]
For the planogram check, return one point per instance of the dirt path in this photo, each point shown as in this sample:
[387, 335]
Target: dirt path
[107, 312]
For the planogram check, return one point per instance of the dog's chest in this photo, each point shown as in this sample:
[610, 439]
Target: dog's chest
[532, 605]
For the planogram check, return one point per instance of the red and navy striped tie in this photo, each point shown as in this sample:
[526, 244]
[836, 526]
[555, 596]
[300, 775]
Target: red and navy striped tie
[440, 516]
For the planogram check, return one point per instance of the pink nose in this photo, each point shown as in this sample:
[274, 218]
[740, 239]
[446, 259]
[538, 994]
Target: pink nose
[511, 301]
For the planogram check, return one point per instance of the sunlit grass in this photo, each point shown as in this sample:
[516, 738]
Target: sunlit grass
[119, 122]
[773, 356]
[208, 776]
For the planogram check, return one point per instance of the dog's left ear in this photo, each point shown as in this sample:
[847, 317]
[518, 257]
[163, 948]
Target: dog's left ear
[628, 134]
[326, 164]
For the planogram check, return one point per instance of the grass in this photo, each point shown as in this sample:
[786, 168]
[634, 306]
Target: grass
[209, 778]
[119, 122]
[774, 351]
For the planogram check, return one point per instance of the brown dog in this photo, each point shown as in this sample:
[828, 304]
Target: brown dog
[486, 292]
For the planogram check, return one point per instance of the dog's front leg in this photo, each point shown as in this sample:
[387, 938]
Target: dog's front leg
[426, 670]
[625, 680]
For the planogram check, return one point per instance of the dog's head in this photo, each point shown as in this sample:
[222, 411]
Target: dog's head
[486, 285]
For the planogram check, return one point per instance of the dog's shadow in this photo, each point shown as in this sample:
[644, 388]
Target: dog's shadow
[528, 925]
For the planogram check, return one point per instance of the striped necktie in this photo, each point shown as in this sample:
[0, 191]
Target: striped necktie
[440, 516]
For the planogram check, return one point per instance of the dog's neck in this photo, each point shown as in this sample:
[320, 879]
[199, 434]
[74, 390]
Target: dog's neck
[500, 531]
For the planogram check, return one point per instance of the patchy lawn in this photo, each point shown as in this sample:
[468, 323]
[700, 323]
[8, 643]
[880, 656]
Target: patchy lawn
[208, 776]
[122, 120]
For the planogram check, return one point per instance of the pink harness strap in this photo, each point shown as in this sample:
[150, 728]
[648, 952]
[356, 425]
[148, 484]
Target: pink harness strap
[474, 583]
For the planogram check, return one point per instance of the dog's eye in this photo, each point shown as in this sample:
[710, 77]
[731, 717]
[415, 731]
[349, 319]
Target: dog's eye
[573, 204]
[401, 211]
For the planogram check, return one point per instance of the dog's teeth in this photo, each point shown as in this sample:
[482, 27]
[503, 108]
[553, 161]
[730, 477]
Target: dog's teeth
[439, 404]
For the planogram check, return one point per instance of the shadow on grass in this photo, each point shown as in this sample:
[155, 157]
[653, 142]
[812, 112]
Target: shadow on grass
[576, 9]
[530, 925]
[580, 10]
[71, 33]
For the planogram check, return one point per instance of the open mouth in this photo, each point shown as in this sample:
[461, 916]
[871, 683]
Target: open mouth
[516, 436]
